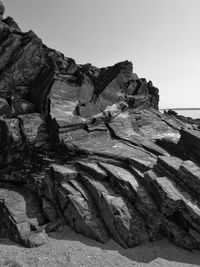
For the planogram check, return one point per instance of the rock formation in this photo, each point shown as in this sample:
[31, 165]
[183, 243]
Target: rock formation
[87, 147]
[188, 120]
[2, 10]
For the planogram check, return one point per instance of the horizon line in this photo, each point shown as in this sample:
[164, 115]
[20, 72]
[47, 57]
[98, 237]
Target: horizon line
[179, 108]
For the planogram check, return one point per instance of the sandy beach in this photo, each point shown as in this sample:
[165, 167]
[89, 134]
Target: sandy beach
[66, 248]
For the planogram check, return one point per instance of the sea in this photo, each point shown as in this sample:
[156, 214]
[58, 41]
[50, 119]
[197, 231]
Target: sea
[195, 114]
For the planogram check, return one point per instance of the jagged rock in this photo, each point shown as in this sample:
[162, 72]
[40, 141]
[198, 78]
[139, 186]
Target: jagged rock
[74, 80]
[130, 187]
[81, 213]
[168, 165]
[186, 173]
[122, 179]
[34, 128]
[63, 173]
[37, 239]
[12, 24]
[165, 192]
[2, 10]
[123, 221]
[54, 225]
[172, 199]
[20, 214]
[21, 107]
[171, 164]
[49, 210]
[189, 173]
[122, 127]
[92, 169]
[75, 202]
[13, 128]
[179, 236]
[5, 109]
[4, 33]
[92, 92]
[190, 140]
[87, 147]
[10, 140]
[170, 112]
[195, 123]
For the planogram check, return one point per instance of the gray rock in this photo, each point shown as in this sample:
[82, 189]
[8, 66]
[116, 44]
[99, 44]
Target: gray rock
[36, 239]
[87, 147]
[5, 109]
[189, 174]
[2, 10]
[21, 107]
[190, 140]
[63, 173]
[92, 169]
[34, 129]
[20, 213]
[123, 221]
[81, 214]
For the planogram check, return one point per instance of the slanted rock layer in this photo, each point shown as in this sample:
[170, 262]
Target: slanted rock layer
[87, 147]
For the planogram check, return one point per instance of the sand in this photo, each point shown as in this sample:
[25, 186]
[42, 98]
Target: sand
[66, 248]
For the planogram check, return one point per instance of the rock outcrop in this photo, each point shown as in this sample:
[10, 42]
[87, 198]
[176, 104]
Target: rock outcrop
[189, 120]
[190, 139]
[2, 10]
[87, 147]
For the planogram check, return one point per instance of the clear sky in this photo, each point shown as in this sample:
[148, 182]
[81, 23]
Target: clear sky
[160, 37]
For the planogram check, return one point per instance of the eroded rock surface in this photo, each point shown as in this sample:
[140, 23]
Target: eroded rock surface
[2, 10]
[87, 147]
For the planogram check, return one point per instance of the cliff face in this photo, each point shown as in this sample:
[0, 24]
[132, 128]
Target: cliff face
[87, 147]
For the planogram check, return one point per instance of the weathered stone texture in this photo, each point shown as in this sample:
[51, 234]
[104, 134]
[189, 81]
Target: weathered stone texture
[87, 147]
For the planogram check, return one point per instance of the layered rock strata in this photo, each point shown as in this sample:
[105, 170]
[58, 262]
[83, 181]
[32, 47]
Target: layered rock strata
[87, 147]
